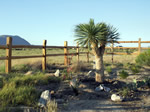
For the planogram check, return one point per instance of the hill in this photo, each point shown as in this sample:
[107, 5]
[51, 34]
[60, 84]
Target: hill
[16, 40]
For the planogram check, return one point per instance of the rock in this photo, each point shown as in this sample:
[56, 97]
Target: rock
[45, 97]
[91, 74]
[29, 73]
[115, 97]
[106, 89]
[99, 88]
[57, 73]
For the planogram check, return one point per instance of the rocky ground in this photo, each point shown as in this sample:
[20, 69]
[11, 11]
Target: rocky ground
[89, 100]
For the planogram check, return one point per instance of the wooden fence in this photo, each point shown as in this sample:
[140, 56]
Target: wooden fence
[139, 48]
[44, 55]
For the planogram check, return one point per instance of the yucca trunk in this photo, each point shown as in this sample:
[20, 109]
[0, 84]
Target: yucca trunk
[99, 77]
[99, 69]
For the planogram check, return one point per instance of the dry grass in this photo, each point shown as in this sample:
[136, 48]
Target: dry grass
[60, 59]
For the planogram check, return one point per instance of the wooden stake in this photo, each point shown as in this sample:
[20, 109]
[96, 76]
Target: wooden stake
[139, 47]
[65, 52]
[112, 50]
[44, 56]
[8, 55]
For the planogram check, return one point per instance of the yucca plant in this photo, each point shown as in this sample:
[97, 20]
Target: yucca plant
[95, 37]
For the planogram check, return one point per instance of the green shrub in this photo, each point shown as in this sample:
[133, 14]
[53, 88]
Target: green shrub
[1, 82]
[10, 95]
[123, 74]
[125, 91]
[108, 69]
[2, 69]
[147, 81]
[144, 58]
[135, 68]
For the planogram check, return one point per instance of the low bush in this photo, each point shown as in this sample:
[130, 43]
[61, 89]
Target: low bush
[135, 68]
[108, 69]
[33, 80]
[11, 95]
[123, 74]
[144, 58]
[2, 69]
[125, 91]
[1, 82]
[20, 90]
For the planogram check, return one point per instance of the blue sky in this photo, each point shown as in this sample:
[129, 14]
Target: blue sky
[55, 20]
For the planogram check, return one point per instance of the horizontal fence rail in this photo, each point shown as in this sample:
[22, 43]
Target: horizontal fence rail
[8, 47]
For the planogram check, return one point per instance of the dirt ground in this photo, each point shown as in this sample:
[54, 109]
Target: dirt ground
[89, 100]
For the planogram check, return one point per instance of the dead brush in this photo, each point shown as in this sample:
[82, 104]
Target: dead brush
[80, 66]
[51, 106]
[37, 66]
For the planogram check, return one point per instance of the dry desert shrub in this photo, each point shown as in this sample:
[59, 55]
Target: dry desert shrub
[51, 106]
[80, 66]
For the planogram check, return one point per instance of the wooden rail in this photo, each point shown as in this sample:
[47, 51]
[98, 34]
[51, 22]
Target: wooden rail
[44, 55]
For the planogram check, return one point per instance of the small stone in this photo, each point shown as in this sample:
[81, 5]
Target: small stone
[99, 88]
[115, 97]
[45, 97]
[57, 73]
[106, 89]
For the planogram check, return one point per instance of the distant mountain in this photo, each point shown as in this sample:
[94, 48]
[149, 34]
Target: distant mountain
[16, 40]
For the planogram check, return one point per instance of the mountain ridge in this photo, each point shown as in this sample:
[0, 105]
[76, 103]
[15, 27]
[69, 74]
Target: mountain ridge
[16, 40]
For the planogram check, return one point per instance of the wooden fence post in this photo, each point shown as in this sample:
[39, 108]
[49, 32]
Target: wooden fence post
[8, 55]
[139, 47]
[77, 52]
[112, 50]
[44, 56]
[65, 52]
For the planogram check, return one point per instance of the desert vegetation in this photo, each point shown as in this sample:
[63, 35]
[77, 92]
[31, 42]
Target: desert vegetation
[126, 77]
